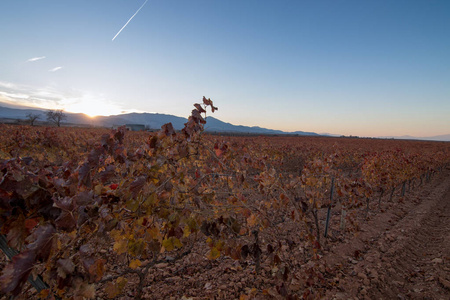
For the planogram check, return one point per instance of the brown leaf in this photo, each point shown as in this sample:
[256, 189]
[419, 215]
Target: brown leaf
[167, 129]
[97, 269]
[138, 184]
[198, 117]
[84, 175]
[206, 101]
[86, 290]
[119, 135]
[152, 142]
[16, 273]
[115, 289]
[245, 251]
[17, 233]
[5, 198]
[107, 173]
[43, 241]
[65, 266]
[199, 108]
[66, 221]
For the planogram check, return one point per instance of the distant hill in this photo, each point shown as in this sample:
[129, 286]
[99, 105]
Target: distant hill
[215, 125]
[155, 121]
[442, 138]
[150, 120]
[14, 113]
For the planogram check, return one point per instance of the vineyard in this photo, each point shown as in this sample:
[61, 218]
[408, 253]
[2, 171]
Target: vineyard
[99, 213]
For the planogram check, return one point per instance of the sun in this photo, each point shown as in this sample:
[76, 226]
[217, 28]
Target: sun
[93, 107]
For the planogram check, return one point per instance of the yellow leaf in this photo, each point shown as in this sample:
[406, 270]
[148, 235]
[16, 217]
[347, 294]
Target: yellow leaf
[219, 245]
[114, 289]
[140, 221]
[214, 253]
[136, 247]
[120, 246]
[44, 294]
[135, 263]
[115, 234]
[172, 242]
[168, 244]
[154, 233]
[132, 205]
[177, 243]
[186, 231]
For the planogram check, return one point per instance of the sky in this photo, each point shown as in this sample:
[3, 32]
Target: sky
[366, 68]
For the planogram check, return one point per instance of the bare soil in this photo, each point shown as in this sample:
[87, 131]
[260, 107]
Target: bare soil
[402, 253]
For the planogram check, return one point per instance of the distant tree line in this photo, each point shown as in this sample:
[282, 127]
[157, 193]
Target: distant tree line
[32, 118]
[56, 117]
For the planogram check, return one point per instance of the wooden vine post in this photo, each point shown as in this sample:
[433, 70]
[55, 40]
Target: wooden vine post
[329, 208]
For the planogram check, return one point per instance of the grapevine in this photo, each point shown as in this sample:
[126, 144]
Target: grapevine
[98, 213]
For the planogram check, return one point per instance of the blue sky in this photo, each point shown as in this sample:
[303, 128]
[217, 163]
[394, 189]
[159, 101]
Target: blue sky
[367, 68]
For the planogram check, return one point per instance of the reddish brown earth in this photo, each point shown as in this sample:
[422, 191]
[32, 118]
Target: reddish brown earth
[402, 251]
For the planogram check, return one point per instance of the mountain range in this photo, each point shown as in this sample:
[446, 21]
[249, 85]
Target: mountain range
[156, 120]
[149, 120]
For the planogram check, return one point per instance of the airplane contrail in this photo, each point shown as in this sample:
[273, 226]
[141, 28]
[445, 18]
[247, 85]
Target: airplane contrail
[129, 20]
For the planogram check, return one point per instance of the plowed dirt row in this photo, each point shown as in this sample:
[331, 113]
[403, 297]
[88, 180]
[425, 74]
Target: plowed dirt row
[403, 253]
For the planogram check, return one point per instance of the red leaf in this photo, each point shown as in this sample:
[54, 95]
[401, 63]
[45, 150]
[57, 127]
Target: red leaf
[31, 223]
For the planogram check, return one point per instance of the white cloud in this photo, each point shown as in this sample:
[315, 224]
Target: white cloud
[8, 85]
[30, 96]
[50, 98]
[55, 69]
[35, 58]
[14, 95]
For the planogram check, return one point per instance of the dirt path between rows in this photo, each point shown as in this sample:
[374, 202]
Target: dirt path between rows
[403, 253]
